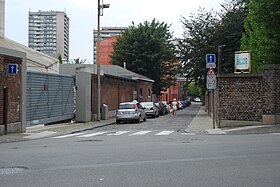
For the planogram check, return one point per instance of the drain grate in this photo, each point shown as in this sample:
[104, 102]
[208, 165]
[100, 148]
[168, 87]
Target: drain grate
[12, 170]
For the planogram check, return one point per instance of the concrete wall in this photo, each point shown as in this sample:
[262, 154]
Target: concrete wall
[83, 98]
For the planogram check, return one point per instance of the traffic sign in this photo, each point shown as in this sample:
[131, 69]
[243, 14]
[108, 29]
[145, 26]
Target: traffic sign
[211, 72]
[210, 61]
[210, 58]
[12, 68]
[211, 82]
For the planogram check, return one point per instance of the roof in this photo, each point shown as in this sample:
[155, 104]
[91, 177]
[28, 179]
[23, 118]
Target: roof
[113, 70]
[36, 61]
[122, 72]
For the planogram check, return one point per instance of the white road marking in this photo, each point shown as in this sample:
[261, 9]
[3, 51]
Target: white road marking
[118, 133]
[188, 133]
[164, 133]
[215, 131]
[276, 133]
[40, 134]
[68, 135]
[140, 133]
[91, 135]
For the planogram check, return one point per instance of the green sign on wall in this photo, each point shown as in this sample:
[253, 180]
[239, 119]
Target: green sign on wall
[242, 62]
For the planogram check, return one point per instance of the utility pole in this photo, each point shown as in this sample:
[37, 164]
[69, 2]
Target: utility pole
[99, 13]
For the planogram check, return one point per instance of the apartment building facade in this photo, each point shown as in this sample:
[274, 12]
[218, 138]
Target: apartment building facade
[48, 32]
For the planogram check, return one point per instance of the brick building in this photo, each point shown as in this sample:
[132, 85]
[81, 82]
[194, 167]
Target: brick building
[116, 85]
[12, 84]
[106, 50]
[176, 91]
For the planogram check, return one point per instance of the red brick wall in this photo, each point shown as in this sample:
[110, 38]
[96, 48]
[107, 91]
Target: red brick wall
[13, 82]
[145, 86]
[106, 50]
[114, 90]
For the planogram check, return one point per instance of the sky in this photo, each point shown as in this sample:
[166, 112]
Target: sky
[83, 17]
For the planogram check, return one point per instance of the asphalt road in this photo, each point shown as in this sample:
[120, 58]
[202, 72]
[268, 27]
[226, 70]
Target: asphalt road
[122, 160]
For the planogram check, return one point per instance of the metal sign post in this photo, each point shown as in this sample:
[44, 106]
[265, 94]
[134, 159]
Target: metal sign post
[211, 84]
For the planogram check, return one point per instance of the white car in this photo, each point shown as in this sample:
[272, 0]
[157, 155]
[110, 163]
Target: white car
[197, 99]
[130, 111]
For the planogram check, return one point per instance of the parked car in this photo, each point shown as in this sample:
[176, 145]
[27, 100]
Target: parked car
[180, 105]
[130, 111]
[197, 99]
[188, 102]
[167, 106]
[161, 108]
[150, 109]
[183, 104]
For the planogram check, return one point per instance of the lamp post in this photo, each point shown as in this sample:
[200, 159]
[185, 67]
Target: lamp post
[99, 13]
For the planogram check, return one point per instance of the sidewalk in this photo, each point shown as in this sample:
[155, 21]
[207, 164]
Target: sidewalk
[203, 124]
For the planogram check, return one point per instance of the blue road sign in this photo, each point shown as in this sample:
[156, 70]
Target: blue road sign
[210, 58]
[12, 68]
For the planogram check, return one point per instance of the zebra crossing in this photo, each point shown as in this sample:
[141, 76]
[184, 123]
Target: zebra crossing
[119, 133]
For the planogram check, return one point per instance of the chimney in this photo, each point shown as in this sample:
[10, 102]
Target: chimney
[2, 18]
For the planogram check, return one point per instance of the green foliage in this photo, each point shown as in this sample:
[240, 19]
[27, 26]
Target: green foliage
[204, 32]
[262, 33]
[198, 41]
[229, 32]
[148, 49]
[59, 59]
[194, 89]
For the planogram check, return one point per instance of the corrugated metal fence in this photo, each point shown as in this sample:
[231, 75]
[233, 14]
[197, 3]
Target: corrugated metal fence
[49, 98]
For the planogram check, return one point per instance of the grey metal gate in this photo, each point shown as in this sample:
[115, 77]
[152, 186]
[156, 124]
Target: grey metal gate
[49, 98]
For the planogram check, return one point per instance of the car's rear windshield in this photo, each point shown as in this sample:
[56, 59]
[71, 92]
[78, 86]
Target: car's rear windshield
[147, 104]
[126, 106]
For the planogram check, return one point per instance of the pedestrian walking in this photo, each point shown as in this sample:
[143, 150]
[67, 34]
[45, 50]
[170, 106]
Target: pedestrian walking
[174, 106]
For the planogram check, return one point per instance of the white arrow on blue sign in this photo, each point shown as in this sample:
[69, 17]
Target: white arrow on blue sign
[12, 68]
[210, 58]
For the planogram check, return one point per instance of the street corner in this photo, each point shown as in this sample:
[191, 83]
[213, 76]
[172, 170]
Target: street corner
[256, 129]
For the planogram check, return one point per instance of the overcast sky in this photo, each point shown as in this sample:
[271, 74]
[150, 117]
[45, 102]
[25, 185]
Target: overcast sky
[83, 17]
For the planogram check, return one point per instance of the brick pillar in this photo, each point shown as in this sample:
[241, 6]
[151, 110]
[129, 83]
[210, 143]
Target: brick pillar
[271, 94]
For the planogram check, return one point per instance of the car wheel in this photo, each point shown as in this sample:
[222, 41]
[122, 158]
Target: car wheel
[118, 121]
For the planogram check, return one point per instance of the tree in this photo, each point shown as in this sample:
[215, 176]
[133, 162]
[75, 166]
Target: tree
[262, 33]
[193, 89]
[197, 42]
[59, 59]
[229, 31]
[205, 31]
[148, 50]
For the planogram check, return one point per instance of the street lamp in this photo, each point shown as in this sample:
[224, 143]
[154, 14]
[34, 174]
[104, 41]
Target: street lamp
[220, 51]
[99, 13]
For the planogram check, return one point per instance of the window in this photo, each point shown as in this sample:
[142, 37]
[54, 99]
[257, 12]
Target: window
[149, 92]
[141, 93]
